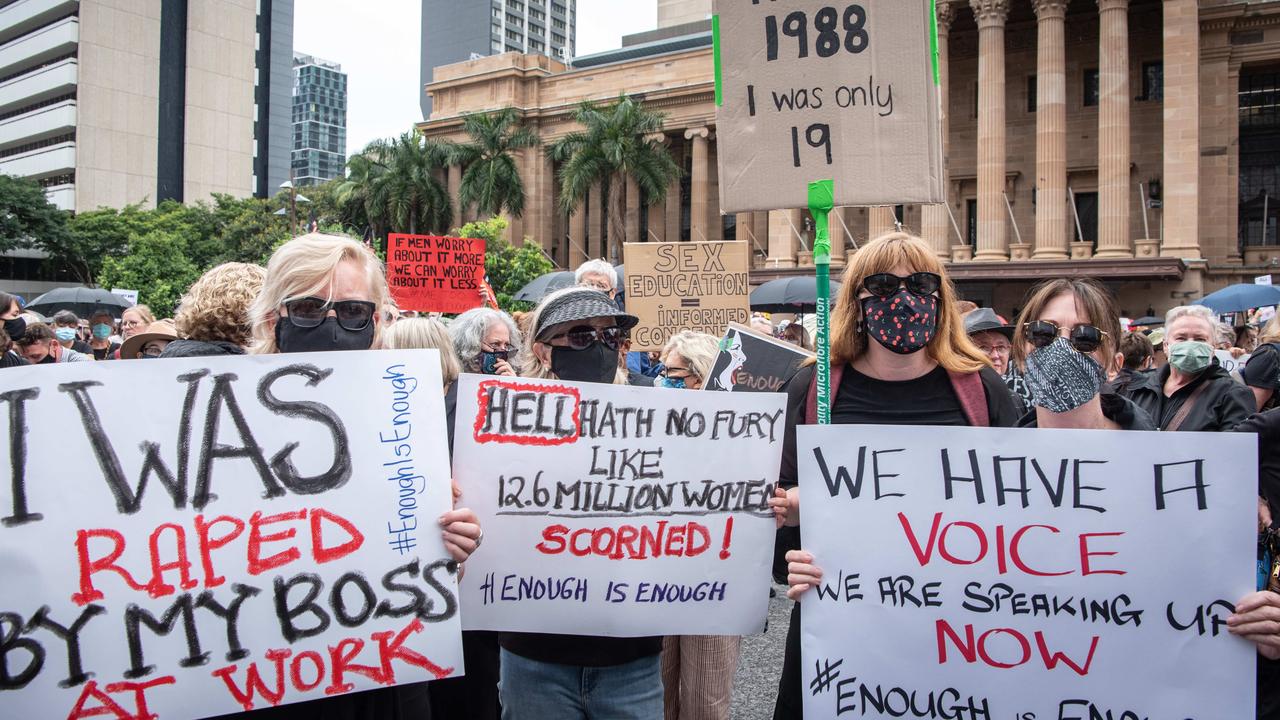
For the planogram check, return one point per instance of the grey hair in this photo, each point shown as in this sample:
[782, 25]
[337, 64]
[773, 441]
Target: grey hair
[598, 267]
[1224, 333]
[699, 351]
[65, 317]
[468, 330]
[1195, 311]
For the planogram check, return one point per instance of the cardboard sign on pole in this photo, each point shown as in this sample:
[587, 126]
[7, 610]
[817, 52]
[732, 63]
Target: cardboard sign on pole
[427, 273]
[1003, 573]
[809, 90]
[196, 537]
[617, 510]
[700, 286]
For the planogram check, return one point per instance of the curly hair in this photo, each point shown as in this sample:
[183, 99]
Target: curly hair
[216, 307]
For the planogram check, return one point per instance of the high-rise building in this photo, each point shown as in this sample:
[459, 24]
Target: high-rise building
[454, 31]
[319, 120]
[114, 102]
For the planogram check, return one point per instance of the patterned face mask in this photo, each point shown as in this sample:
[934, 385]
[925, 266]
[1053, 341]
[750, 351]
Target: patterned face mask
[1061, 378]
[903, 322]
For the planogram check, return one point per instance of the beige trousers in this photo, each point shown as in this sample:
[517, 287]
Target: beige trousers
[697, 675]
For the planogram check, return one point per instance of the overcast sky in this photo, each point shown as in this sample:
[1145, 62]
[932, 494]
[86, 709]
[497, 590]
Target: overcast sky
[379, 51]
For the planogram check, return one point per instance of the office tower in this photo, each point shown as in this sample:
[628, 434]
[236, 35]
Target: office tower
[319, 120]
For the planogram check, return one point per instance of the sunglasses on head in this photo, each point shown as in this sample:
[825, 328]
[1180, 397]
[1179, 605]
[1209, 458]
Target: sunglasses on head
[1084, 338]
[886, 284]
[309, 312]
[584, 336]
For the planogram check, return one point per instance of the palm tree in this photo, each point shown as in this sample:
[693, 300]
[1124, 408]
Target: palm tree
[614, 145]
[395, 181]
[492, 180]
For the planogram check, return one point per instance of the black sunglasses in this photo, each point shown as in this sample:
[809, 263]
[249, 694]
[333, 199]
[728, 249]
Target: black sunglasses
[309, 312]
[583, 337]
[886, 284]
[1084, 338]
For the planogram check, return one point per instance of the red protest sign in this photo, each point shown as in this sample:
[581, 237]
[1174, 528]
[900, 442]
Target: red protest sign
[429, 273]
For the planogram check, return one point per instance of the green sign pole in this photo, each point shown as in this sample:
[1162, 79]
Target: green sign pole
[821, 200]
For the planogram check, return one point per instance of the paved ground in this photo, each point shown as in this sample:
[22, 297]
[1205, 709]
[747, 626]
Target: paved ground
[756, 684]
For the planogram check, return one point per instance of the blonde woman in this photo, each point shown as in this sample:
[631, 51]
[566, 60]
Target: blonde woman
[697, 670]
[322, 292]
[425, 333]
[899, 356]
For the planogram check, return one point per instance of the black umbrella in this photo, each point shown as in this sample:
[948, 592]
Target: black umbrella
[80, 300]
[789, 295]
[544, 285]
[1147, 321]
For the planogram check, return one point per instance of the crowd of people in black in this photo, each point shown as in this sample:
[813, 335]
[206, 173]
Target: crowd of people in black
[904, 350]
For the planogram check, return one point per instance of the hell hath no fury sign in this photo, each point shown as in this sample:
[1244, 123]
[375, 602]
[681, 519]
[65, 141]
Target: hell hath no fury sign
[188, 538]
[1026, 574]
[827, 89]
[427, 273]
[617, 510]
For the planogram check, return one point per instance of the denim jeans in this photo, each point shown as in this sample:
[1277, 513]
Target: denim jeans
[533, 690]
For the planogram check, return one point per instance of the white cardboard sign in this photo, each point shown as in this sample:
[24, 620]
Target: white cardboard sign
[616, 510]
[1229, 362]
[1027, 573]
[222, 534]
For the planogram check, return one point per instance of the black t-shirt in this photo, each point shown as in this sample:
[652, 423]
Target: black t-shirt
[927, 400]
[1263, 371]
[106, 353]
[81, 347]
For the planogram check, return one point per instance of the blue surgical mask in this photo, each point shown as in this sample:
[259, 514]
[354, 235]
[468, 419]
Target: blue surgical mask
[670, 383]
[65, 334]
[102, 332]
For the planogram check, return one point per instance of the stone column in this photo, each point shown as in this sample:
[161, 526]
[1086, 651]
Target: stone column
[1113, 130]
[455, 185]
[760, 227]
[836, 223]
[1180, 189]
[698, 210]
[578, 236]
[544, 201]
[935, 225]
[782, 238]
[1051, 131]
[881, 220]
[993, 218]
[633, 217]
[657, 211]
[742, 226]
[595, 222]
[674, 199]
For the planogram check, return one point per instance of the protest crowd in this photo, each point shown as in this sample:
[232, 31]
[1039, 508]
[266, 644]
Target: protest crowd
[905, 350]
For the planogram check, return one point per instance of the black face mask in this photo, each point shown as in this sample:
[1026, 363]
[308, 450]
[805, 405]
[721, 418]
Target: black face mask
[593, 364]
[15, 328]
[48, 360]
[489, 361]
[328, 335]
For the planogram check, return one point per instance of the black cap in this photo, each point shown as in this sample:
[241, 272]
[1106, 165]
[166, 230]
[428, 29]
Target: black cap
[580, 304]
[985, 319]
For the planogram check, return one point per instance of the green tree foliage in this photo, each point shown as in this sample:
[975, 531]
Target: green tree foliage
[157, 266]
[27, 219]
[395, 182]
[613, 146]
[491, 180]
[508, 268]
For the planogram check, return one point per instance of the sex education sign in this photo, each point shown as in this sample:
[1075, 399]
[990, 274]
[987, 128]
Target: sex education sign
[699, 286]
[617, 510]
[1026, 574]
[196, 537]
[824, 89]
[427, 273]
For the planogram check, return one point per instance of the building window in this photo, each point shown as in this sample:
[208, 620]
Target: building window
[1031, 93]
[971, 209]
[1153, 81]
[1091, 89]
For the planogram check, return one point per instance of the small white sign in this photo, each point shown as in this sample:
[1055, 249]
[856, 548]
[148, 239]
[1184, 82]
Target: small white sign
[130, 295]
[1262, 280]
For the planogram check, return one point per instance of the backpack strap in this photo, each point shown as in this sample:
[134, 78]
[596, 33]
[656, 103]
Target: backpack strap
[1185, 409]
[811, 404]
[972, 396]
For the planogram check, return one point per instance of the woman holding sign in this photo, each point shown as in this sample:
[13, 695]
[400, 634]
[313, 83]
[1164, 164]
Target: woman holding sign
[324, 292]
[899, 356]
[577, 335]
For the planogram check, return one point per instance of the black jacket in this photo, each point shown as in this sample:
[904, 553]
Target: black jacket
[1224, 404]
[1267, 426]
[200, 348]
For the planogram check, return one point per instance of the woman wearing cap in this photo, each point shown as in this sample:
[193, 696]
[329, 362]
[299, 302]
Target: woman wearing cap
[899, 356]
[149, 343]
[577, 334]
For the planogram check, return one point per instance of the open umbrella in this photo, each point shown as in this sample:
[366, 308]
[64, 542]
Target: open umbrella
[789, 295]
[1147, 321]
[543, 285]
[1241, 297]
[80, 300]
